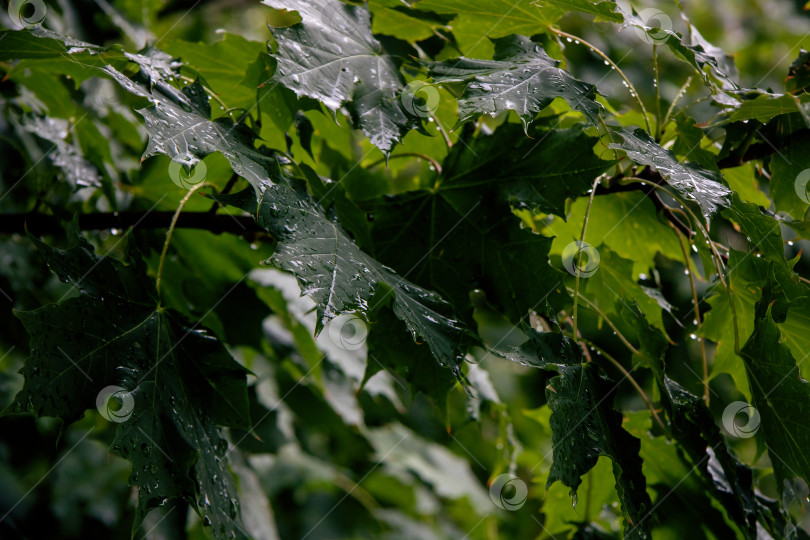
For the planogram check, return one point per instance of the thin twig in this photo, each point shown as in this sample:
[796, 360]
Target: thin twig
[696, 303]
[427, 158]
[579, 251]
[607, 59]
[171, 230]
[630, 378]
[613, 327]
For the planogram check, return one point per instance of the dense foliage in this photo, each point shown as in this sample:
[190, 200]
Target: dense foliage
[404, 269]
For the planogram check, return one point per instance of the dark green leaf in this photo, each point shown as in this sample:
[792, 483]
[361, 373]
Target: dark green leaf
[173, 381]
[779, 392]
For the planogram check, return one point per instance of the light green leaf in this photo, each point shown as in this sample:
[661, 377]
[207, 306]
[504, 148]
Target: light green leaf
[625, 222]
[743, 182]
[477, 22]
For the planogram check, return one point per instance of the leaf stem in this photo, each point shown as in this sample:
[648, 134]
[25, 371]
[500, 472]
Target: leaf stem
[607, 59]
[718, 259]
[444, 133]
[695, 302]
[630, 378]
[613, 327]
[579, 252]
[659, 125]
[675, 100]
[171, 230]
[427, 158]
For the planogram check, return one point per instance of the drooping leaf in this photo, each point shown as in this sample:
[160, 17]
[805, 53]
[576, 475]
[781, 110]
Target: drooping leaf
[690, 180]
[75, 169]
[331, 56]
[173, 381]
[340, 277]
[720, 471]
[780, 394]
[180, 130]
[585, 426]
[521, 77]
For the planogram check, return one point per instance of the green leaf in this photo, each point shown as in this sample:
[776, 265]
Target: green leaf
[691, 181]
[743, 182]
[764, 232]
[603, 10]
[536, 174]
[173, 381]
[390, 348]
[478, 242]
[394, 18]
[341, 278]
[584, 425]
[689, 142]
[521, 78]
[767, 106]
[779, 393]
[613, 283]
[656, 28]
[508, 264]
[625, 222]
[789, 188]
[224, 65]
[331, 56]
[730, 481]
[180, 130]
[477, 23]
[718, 325]
[74, 168]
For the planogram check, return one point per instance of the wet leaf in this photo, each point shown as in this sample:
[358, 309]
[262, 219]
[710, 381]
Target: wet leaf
[331, 56]
[690, 180]
[165, 381]
[521, 77]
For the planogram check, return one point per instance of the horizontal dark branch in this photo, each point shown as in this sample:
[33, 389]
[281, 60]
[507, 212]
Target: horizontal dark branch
[217, 223]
